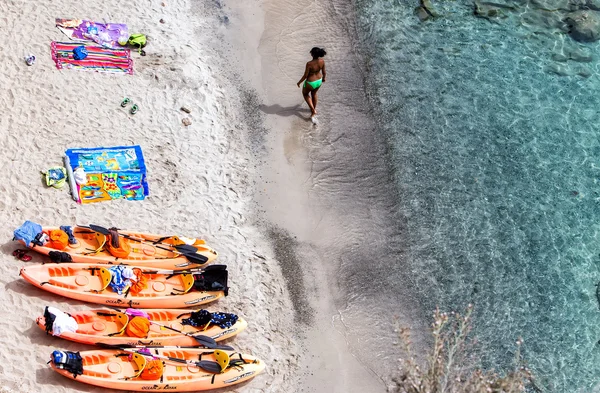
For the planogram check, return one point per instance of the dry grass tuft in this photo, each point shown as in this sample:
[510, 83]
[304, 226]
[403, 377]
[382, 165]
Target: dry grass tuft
[451, 367]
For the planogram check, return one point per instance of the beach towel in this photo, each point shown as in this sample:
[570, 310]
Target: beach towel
[98, 58]
[111, 173]
[108, 35]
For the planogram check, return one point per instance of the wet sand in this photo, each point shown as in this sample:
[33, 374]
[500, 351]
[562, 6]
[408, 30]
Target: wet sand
[297, 172]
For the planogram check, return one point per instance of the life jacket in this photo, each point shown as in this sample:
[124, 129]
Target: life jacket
[116, 246]
[153, 370]
[138, 327]
[70, 361]
[59, 240]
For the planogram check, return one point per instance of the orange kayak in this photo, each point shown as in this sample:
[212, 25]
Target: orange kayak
[108, 327]
[171, 369]
[156, 289]
[140, 249]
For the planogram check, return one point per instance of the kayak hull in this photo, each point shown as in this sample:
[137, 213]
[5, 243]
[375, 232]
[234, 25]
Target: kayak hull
[83, 282]
[106, 327]
[111, 368]
[144, 250]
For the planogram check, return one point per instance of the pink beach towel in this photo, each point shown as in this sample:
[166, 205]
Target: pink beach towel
[99, 58]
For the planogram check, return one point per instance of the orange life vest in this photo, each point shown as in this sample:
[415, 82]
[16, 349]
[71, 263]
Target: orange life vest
[117, 246]
[59, 240]
[138, 327]
[153, 370]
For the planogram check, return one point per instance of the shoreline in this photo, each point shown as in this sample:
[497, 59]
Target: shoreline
[297, 168]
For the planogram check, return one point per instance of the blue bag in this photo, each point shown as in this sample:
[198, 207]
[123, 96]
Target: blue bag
[27, 232]
[80, 53]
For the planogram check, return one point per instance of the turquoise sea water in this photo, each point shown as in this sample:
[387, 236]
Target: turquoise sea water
[494, 138]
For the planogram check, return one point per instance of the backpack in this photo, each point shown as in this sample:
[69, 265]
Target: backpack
[137, 40]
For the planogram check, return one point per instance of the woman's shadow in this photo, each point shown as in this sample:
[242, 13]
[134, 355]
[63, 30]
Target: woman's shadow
[279, 110]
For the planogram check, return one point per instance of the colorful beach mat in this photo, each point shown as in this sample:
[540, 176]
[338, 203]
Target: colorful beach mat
[108, 35]
[98, 59]
[111, 172]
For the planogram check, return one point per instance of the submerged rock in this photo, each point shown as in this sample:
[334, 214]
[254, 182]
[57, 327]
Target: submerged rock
[583, 26]
[489, 10]
[422, 14]
[580, 55]
[593, 5]
[425, 10]
[558, 69]
[574, 54]
[584, 72]
[584, 5]
[554, 5]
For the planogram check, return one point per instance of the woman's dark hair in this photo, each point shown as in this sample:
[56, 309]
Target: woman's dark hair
[317, 52]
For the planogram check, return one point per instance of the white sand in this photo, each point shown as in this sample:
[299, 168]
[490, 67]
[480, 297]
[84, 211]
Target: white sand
[200, 177]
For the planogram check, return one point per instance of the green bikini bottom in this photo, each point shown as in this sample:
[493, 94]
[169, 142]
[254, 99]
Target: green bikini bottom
[314, 84]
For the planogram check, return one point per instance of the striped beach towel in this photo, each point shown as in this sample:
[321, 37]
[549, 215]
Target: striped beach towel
[99, 58]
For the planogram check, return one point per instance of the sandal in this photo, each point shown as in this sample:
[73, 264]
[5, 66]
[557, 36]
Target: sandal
[134, 109]
[125, 102]
[22, 255]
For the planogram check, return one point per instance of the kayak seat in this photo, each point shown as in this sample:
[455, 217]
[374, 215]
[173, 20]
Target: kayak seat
[101, 239]
[103, 274]
[105, 277]
[187, 283]
[122, 319]
[140, 364]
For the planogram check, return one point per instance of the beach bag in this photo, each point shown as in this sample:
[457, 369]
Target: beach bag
[153, 370]
[137, 40]
[56, 176]
[59, 256]
[59, 240]
[116, 246]
[80, 53]
[141, 283]
[138, 327]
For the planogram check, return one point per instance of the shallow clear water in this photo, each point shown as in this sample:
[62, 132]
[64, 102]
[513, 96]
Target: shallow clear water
[496, 160]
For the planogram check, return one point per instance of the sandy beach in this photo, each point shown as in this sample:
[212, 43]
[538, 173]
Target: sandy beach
[224, 62]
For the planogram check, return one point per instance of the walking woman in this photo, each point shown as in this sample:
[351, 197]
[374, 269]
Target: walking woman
[314, 76]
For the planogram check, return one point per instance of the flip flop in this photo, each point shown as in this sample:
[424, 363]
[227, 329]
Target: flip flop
[134, 109]
[125, 102]
[22, 255]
